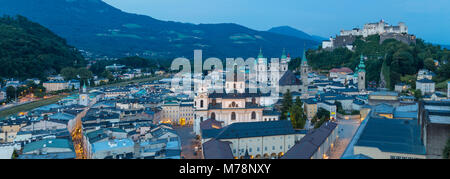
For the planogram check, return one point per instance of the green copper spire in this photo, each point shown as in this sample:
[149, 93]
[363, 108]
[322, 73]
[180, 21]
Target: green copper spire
[84, 87]
[260, 54]
[362, 66]
[283, 56]
[304, 60]
[355, 74]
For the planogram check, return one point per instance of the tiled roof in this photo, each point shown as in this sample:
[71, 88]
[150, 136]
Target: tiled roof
[392, 135]
[216, 149]
[343, 69]
[49, 143]
[256, 129]
[289, 79]
[309, 144]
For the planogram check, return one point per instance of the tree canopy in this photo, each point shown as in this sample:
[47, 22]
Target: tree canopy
[400, 59]
[29, 50]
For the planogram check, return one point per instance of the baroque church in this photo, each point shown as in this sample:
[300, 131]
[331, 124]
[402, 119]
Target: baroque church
[238, 103]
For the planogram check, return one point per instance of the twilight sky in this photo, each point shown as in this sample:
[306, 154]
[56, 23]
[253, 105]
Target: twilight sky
[427, 19]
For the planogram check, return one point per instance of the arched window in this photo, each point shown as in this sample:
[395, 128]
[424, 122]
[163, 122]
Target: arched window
[233, 116]
[253, 115]
[201, 103]
[254, 100]
[233, 104]
[213, 116]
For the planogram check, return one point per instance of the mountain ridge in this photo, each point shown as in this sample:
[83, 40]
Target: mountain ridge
[102, 29]
[290, 31]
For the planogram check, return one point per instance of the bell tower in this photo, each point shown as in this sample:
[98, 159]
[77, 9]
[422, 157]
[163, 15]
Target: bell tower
[304, 71]
[361, 74]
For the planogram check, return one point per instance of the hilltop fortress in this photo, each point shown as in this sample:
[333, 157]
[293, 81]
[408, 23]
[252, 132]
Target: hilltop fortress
[376, 28]
[386, 31]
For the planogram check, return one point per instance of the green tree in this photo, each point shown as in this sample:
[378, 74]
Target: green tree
[84, 73]
[339, 108]
[108, 75]
[298, 117]
[11, 93]
[286, 105]
[14, 155]
[429, 64]
[417, 94]
[69, 73]
[321, 117]
[446, 152]
[320, 122]
[92, 82]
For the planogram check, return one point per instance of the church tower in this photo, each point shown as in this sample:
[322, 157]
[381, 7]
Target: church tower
[201, 108]
[283, 63]
[261, 67]
[355, 75]
[84, 96]
[361, 74]
[304, 68]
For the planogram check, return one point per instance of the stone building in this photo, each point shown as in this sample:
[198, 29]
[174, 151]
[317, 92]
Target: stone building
[271, 139]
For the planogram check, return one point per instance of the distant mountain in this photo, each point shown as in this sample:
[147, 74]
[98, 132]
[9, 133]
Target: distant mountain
[318, 38]
[289, 31]
[29, 50]
[99, 28]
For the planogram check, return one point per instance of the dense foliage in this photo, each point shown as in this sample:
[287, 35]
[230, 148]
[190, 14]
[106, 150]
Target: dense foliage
[446, 152]
[129, 62]
[321, 117]
[293, 111]
[29, 50]
[399, 59]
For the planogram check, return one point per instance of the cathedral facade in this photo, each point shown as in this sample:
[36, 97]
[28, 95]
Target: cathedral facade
[238, 103]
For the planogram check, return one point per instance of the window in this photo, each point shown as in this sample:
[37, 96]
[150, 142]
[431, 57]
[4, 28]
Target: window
[213, 116]
[201, 103]
[253, 115]
[233, 116]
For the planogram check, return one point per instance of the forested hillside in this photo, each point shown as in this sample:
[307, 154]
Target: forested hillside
[29, 50]
[402, 61]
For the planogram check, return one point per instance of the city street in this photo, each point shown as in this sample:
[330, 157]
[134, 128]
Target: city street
[187, 137]
[77, 136]
[346, 130]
